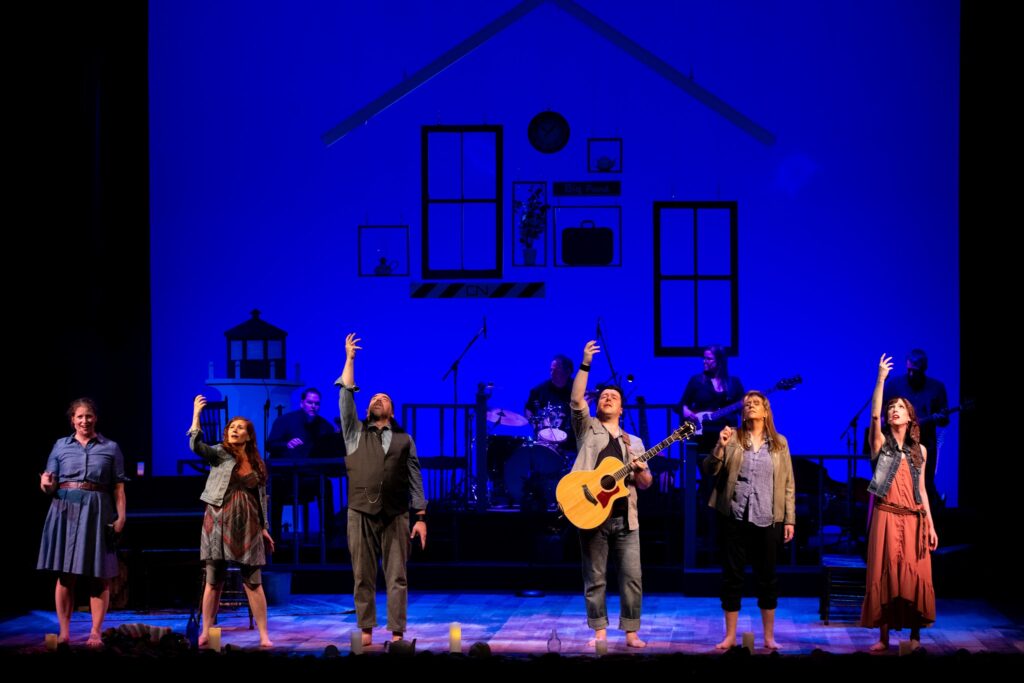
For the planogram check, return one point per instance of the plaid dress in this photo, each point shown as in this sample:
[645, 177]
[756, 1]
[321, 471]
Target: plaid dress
[234, 530]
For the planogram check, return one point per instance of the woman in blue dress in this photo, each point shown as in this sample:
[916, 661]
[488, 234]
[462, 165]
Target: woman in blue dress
[235, 527]
[85, 474]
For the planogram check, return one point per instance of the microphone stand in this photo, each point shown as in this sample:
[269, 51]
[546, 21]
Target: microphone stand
[850, 434]
[453, 370]
[851, 431]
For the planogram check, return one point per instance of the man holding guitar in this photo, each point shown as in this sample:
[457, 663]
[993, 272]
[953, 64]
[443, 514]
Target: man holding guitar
[597, 439]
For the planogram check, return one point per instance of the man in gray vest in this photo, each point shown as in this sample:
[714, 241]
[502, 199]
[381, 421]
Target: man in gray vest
[383, 480]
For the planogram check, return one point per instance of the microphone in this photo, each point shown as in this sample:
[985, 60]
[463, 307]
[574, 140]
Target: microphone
[598, 333]
[485, 327]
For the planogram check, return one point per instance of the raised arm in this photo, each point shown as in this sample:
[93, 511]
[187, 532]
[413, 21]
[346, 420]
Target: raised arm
[348, 374]
[578, 398]
[346, 399]
[195, 432]
[884, 366]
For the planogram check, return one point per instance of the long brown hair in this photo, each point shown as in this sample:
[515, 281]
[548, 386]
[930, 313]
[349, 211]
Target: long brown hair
[250, 452]
[913, 428]
[721, 364]
[771, 436]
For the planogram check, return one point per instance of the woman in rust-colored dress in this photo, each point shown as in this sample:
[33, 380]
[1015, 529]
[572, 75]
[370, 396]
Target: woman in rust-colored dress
[902, 535]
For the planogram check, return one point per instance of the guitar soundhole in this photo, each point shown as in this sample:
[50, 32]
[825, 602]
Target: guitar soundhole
[607, 482]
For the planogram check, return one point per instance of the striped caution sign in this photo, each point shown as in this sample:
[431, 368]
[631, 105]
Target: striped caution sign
[477, 290]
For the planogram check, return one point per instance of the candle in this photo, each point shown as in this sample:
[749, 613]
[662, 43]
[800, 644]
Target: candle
[214, 639]
[748, 641]
[601, 647]
[455, 637]
[356, 636]
[51, 641]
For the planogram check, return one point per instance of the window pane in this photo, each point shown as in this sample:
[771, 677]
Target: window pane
[677, 313]
[714, 249]
[714, 312]
[445, 236]
[445, 166]
[479, 236]
[479, 161]
[676, 241]
[254, 349]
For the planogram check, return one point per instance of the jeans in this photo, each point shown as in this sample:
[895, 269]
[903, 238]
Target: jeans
[594, 545]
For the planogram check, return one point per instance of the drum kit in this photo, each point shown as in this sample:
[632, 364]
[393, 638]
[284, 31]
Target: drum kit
[524, 470]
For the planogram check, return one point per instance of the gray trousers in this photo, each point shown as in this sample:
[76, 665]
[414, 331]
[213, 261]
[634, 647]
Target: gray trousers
[594, 547]
[374, 539]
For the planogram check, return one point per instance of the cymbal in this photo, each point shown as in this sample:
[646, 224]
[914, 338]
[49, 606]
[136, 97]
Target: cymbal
[500, 416]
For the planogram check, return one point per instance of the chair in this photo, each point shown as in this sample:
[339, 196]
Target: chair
[233, 594]
[213, 420]
[843, 579]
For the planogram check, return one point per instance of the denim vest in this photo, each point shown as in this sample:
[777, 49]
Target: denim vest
[887, 463]
[222, 464]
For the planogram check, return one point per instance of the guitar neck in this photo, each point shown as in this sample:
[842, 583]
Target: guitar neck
[938, 416]
[658, 447]
[648, 454]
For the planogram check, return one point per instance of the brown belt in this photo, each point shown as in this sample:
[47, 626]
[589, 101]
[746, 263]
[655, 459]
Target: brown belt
[86, 485]
[922, 527]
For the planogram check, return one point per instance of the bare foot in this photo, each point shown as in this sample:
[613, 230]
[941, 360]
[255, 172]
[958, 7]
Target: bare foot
[266, 642]
[367, 638]
[880, 646]
[633, 640]
[95, 640]
[729, 642]
[599, 634]
[914, 644]
[203, 641]
[395, 636]
[63, 638]
[772, 645]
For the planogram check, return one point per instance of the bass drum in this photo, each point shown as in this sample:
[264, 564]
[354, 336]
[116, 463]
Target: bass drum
[531, 475]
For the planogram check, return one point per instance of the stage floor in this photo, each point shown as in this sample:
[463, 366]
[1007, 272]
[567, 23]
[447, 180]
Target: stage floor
[512, 625]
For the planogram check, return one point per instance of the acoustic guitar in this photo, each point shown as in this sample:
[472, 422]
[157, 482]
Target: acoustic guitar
[586, 497]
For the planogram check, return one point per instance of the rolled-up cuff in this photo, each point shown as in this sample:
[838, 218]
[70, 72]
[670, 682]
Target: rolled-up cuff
[629, 624]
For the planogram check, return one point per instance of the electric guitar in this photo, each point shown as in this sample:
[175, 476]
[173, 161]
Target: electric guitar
[967, 405]
[586, 497]
[710, 416]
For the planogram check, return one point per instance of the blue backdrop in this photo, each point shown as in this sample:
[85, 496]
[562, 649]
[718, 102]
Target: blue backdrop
[847, 241]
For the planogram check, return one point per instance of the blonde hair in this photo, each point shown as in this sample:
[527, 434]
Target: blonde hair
[771, 436]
